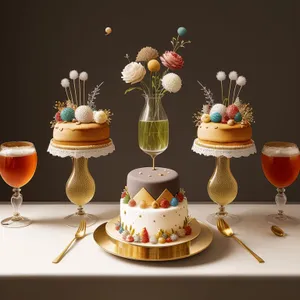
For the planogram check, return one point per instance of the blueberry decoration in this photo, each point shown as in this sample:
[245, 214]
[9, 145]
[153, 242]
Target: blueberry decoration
[174, 202]
[238, 117]
[216, 117]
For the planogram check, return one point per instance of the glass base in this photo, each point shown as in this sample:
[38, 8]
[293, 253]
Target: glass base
[74, 219]
[10, 223]
[229, 218]
[282, 219]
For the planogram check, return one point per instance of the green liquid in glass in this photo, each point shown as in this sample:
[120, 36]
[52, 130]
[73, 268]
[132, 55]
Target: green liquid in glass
[153, 136]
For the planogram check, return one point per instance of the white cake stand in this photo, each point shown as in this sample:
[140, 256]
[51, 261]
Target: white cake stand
[222, 187]
[80, 187]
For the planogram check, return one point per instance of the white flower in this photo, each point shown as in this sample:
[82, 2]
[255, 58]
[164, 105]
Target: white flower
[133, 73]
[65, 83]
[84, 114]
[233, 75]
[73, 75]
[241, 81]
[221, 76]
[171, 83]
[83, 76]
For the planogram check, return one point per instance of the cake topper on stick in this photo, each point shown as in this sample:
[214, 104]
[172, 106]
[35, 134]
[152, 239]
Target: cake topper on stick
[83, 77]
[65, 83]
[232, 76]
[74, 75]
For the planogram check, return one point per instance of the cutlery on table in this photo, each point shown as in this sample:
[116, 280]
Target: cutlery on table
[278, 231]
[80, 233]
[226, 230]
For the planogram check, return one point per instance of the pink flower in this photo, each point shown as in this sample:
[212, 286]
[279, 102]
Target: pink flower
[172, 60]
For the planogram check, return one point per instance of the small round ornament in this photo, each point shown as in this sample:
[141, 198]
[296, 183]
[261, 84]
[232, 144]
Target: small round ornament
[137, 238]
[143, 204]
[100, 116]
[238, 117]
[161, 240]
[155, 204]
[174, 237]
[132, 203]
[164, 203]
[67, 114]
[181, 232]
[129, 239]
[153, 65]
[153, 239]
[225, 118]
[58, 117]
[231, 111]
[230, 122]
[126, 199]
[108, 30]
[125, 233]
[216, 117]
[188, 230]
[180, 197]
[84, 114]
[219, 108]
[168, 240]
[205, 118]
[174, 202]
[181, 31]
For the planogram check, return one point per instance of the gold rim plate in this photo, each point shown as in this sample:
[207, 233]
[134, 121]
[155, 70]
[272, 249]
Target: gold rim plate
[128, 251]
[115, 235]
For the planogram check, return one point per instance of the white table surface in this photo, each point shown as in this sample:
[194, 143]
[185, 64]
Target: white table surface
[28, 252]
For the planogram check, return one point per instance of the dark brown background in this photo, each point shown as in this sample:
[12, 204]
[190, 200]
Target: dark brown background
[43, 40]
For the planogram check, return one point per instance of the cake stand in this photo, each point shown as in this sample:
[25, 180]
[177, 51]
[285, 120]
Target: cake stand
[80, 187]
[222, 187]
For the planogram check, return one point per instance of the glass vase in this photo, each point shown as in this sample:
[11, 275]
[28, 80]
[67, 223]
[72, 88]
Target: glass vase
[153, 128]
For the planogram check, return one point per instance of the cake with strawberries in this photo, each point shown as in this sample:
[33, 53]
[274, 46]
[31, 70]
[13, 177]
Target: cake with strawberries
[77, 122]
[226, 124]
[153, 208]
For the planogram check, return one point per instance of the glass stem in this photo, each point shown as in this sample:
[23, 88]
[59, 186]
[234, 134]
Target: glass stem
[280, 200]
[153, 162]
[16, 202]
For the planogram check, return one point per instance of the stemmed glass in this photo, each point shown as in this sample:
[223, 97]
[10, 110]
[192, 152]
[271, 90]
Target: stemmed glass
[18, 161]
[281, 163]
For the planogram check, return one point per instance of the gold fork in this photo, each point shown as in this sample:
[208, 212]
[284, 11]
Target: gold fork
[80, 233]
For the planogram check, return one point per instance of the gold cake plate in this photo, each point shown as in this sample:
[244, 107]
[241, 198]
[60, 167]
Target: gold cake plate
[115, 235]
[166, 253]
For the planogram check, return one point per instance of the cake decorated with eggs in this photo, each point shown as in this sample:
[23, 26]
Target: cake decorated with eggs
[226, 124]
[77, 122]
[153, 207]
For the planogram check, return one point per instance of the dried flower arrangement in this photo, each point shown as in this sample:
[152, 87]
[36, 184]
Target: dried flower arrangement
[78, 108]
[158, 82]
[231, 110]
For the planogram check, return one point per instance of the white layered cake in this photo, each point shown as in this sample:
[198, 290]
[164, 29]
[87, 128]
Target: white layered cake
[153, 207]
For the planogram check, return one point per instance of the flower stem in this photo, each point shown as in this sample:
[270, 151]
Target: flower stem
[222, 97]
[239, 91]
[229, 89]
[233, 97]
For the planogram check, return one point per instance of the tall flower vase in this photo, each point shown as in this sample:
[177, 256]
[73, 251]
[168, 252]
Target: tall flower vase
[153, 128]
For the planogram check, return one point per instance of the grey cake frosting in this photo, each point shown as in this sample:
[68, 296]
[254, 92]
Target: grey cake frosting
[154, 181]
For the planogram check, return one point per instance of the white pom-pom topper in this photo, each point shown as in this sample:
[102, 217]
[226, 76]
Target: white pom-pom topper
[65, 83]
[84, 114]
[219, 108]
[233, 75]
[83, 76]
[171, 83]
[73, 74]
[100, 117]
[221, 76]
[241, 81]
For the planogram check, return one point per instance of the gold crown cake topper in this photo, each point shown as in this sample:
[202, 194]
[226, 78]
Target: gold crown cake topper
[79, 106]
[232, 109]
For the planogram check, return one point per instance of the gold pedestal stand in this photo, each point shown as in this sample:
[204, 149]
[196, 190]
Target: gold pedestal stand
[80, 190]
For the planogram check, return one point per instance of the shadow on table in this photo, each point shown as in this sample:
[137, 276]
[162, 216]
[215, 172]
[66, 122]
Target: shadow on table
[220, 248]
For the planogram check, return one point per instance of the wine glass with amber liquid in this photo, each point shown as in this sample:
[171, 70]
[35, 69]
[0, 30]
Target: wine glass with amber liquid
[153, 128]
[281, 164]
[18, 162]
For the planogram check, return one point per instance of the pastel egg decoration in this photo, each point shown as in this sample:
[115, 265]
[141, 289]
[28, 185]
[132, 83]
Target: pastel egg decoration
[205, 118]
[231, 111]
[238, 117]
[174, 202]
[58, 117]
[216, 117]
[84, 114]
[219, 108]
[100, 117]
[67, 114]
[181, 31]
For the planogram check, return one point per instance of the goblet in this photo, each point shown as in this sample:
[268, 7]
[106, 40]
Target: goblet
[280, 164]
[18, 161]
[222, 188]
[80, 189]
[153, 130]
